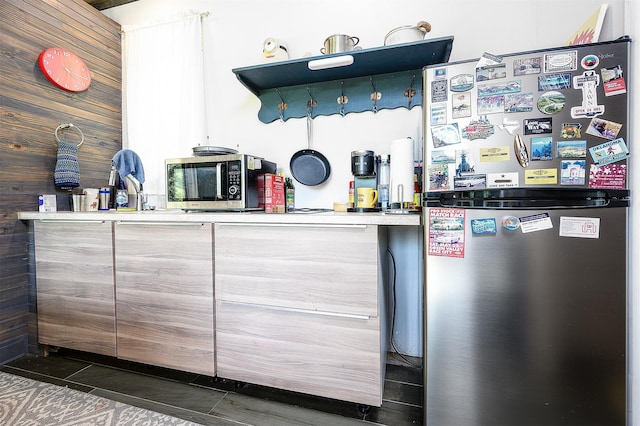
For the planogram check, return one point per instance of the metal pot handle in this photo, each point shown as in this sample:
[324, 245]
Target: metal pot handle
[357, 40]
[424, 25]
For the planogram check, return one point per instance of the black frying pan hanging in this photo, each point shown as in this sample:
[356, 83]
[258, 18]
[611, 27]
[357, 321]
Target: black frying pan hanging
[310, 167]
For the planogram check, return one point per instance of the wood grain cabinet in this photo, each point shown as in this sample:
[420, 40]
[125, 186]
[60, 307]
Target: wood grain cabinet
[164, 294]
[75, 285]
[301, 307]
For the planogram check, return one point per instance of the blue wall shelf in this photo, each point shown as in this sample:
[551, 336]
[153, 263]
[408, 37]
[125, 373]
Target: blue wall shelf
[384, 77]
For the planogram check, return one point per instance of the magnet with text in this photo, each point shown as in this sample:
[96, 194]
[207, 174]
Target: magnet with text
[495, 153]
[535, 222]
[541, 177]
[461, 82]
[447, 134]
[609, 152]
[608, 176]
[503, 180]
[579, 227]
[527, 66]
[478, 129]
[613, 81]
[439, 91]
[484, 226]
[537, 126]
[587, 82]
[563, 61]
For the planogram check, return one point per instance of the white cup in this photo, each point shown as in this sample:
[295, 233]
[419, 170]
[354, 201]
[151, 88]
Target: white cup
[91, 200]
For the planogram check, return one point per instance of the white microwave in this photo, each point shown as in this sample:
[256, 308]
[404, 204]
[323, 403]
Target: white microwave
[216, 182]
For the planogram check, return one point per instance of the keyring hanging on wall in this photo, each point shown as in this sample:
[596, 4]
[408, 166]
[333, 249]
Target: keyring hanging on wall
[69, 126]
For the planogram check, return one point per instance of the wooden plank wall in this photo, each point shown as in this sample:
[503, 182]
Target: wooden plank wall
[30, 110]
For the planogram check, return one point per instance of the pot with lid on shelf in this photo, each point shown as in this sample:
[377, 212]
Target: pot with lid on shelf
[407, 33]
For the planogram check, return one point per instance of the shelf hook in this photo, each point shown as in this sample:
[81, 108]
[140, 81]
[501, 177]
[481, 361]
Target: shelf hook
[375, 96]
[410, 92]
[342, 99]
[282, 106]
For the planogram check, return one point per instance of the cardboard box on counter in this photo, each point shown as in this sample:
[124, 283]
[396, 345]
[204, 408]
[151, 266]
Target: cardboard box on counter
[272, 195]
[47, 203]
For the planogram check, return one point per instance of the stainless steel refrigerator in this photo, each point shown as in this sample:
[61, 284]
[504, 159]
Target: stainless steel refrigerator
[525, 213]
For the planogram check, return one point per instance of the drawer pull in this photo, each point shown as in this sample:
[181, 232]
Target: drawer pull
[293, 225]
[162, 223]
[300, 311]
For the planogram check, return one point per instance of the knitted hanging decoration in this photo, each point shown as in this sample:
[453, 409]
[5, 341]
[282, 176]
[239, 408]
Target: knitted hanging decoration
[67, 171]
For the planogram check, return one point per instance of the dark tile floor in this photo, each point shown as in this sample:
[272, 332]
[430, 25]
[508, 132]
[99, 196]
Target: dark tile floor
[213, 401]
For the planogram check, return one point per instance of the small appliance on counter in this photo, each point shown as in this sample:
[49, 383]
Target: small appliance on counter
[363, 168]
[215, 182]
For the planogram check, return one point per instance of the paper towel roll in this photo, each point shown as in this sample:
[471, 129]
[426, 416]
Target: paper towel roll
[401, 170]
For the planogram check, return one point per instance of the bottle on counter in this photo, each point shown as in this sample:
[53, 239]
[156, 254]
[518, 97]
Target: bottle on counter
[384, 169]
[290, 194]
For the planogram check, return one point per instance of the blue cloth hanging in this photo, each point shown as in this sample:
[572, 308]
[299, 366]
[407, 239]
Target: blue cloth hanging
[128, 163]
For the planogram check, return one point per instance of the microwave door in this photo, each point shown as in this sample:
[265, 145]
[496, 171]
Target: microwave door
[191, 183]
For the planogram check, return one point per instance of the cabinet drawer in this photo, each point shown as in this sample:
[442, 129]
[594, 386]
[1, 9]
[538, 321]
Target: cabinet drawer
[321, 268]
[326, 355]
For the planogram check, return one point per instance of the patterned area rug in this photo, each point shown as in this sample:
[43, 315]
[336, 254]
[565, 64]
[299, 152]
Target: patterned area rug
[28, 402]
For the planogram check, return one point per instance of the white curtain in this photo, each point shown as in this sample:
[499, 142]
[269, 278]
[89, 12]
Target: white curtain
[164, 113]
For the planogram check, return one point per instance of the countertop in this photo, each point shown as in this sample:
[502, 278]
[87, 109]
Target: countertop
[328, 218]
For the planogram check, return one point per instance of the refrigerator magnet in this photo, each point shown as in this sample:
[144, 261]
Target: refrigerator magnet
[609, 152]
[461, 82]
[478, 129]
[604, 128]
[551, 102]
[587, 82]
[535, 222]
[579, 227]
[510, 223]
[613, 81]
[541, 177]
[522, 155]
[537, 126]
[608, 176]
[484, 226]
[571, 130]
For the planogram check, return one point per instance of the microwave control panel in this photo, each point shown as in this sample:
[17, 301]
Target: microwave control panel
[235, 176]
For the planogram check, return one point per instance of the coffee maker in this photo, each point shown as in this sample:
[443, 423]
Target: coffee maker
[363, 168]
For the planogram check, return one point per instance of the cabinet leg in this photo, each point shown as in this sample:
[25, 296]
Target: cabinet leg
[46, 350]
[364, 409]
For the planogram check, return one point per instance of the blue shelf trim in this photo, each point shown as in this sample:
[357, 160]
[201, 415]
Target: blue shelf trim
[393, 90]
